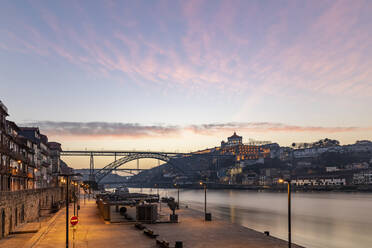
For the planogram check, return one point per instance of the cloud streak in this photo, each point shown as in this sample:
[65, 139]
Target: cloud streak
[324, 49]
[135, 130]
[104, 129]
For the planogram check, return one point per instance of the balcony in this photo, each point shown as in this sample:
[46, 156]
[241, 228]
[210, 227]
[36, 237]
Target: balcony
[13, 171]
[45, 163]
[16, 155]
[3, 169]
[17, 172]
[2, 126]
[4, 148]
[30, 163]
[45, 152]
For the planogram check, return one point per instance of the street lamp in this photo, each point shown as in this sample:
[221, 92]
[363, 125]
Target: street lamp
[78, 199]
[178, 195]
[67, 180]
[74, 196]
[157, 189]
[67, 205]
[288, 182]
[207, 216]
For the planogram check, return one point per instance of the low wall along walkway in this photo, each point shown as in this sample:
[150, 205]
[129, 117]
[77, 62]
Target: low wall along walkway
[25, 206]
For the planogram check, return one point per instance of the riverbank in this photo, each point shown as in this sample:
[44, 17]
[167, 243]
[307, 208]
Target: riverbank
[271, 188]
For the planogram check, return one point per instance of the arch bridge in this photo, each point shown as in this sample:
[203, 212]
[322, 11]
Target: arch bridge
[125, 157]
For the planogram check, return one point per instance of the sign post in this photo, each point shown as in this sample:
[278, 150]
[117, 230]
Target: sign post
[74, 220]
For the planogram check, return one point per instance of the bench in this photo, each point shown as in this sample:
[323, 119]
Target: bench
[162, 243]
[150, 233]
[139, 226]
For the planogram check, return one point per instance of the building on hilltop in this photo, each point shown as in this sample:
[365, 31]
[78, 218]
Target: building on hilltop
[233, 140]
[234, 146]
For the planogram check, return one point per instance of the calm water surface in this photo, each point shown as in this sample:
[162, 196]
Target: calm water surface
[319, 220]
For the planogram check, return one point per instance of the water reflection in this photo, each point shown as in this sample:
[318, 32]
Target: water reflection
[319, 220]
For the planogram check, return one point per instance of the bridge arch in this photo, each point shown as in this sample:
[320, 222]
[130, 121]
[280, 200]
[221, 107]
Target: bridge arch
[99, 175]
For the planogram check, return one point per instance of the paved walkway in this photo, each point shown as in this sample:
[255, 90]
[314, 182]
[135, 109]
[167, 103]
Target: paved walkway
[93, 232]
[194, 232]
[29, 229]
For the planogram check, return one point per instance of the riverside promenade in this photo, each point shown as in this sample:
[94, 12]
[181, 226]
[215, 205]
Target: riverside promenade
[93, 232]
[194, 232]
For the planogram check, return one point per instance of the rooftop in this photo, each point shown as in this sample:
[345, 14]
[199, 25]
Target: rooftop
[235, 136]
[3, 108]
[55, 146]
[13, 125]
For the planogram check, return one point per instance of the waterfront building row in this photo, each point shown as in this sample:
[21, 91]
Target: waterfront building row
[27, 159]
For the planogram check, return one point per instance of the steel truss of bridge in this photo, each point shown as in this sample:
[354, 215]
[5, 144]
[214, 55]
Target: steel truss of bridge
[118, 153]
[127, 156]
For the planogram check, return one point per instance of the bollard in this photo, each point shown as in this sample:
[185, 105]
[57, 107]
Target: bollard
[208, 216]
[123, 210]
[174, 218]
[178, 244]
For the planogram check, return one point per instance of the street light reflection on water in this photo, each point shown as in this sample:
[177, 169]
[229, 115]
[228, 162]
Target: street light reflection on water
[319, 220]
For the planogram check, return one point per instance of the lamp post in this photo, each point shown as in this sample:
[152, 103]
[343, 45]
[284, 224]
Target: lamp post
[207, 216]
[289, 209]
[74, 196]
[78, 199]
[67, 176]
[67, 204]
[85, 192]
[178, 195]
[157, 191]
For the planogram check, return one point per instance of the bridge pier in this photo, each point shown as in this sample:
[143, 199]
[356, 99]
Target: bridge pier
[91, 168]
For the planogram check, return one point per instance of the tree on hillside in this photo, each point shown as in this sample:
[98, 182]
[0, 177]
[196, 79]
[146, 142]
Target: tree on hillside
[326, 143]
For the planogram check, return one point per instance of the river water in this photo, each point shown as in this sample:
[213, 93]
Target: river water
[319, 220]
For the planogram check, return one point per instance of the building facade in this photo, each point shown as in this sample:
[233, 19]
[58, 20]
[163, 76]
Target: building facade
[27, 159]
[29, 169]
[234, 146]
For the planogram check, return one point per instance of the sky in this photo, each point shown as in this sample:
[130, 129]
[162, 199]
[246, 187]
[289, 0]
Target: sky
[184, 75]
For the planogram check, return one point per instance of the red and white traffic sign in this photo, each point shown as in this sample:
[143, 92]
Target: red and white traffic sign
[74, 220]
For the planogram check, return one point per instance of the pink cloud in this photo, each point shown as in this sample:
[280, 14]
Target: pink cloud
[328, 56]
[100, 130]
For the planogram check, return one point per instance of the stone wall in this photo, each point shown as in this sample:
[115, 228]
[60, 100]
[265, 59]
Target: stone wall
[25, 206]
